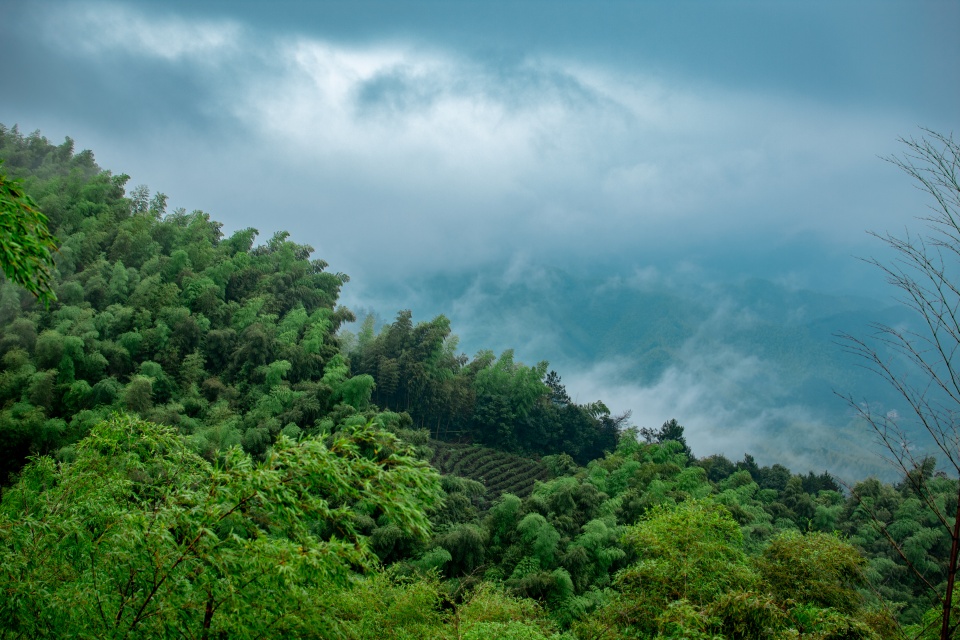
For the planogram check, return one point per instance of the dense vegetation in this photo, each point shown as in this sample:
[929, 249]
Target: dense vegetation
[288, 491]
[491, 400]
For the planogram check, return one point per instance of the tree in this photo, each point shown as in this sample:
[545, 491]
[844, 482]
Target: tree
[816, 568]
[671, 430]
[688, 556]
[26, 245]
[139, 536]
[919, 362]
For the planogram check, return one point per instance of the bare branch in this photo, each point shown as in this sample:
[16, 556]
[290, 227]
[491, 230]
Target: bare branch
[925, 270]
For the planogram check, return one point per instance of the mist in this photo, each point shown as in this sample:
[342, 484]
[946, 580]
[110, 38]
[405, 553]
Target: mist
[602, 188]
[747, 365]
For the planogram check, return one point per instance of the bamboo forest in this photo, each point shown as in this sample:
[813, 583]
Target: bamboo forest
[200, 441]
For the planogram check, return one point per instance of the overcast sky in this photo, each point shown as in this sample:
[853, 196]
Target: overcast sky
[402, 138]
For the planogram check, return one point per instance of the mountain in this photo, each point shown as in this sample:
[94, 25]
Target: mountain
[746, 365]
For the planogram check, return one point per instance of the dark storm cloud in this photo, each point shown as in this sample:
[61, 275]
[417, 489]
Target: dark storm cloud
[514, 83]
[394, 90]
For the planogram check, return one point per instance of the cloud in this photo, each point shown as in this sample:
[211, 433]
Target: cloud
[549, 151]
[107, 29]
[396, 157]
[401, 157]
[737, 387]
[732, 403]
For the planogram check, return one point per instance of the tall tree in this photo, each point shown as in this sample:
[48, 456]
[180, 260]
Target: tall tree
[925, 271]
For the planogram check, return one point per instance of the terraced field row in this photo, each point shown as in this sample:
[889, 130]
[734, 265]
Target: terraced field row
[500, 472]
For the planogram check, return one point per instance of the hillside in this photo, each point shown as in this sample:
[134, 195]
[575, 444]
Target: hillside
[751, 365]
[192, 448]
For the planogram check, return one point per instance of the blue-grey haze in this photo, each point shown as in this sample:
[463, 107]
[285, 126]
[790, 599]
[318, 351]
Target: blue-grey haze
[420, 143]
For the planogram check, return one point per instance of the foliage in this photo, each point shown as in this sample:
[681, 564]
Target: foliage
[139, 536]
[26, 245]
[290, 485]
[691, 553]
[159, 314]
[693, 580]
[815, 568]
[492, 400]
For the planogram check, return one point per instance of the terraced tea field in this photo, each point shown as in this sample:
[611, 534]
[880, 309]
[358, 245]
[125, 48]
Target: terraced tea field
[500, 472]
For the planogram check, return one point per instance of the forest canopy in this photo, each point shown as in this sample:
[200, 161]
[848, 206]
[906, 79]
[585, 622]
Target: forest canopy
[193, 447]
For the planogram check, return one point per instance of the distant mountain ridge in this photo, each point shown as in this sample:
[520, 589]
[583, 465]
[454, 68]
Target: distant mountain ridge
[589, 320]
[768, 353]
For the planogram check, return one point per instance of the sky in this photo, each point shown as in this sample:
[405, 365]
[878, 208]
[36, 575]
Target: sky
[402, 138]
[406, 139]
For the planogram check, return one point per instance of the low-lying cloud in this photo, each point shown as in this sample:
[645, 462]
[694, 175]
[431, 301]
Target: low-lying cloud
[745, 368]
[730, 403]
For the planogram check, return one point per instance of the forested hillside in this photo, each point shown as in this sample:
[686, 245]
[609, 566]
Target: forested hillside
[192, 448]
[728, 353]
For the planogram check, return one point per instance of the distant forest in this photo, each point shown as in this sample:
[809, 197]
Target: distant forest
[194, 448]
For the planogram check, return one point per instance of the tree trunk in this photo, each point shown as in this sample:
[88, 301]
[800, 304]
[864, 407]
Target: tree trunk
[207, 618]
[951, 574]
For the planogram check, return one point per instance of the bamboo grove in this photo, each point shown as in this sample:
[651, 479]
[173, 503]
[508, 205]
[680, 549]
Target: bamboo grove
[194, 447]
